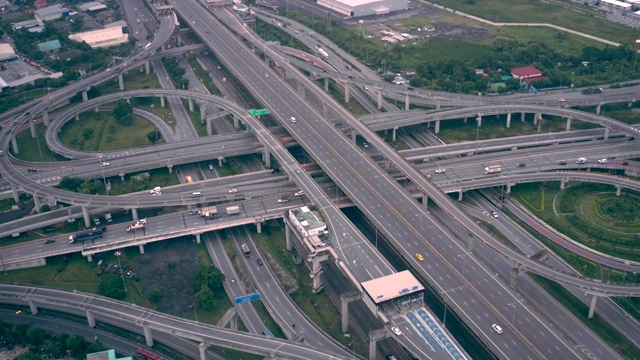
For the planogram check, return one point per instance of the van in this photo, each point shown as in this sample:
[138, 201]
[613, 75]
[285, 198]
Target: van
[196, 194]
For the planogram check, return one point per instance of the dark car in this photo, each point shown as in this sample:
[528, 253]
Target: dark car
[49, 241]
[631, 138]
[624, 163]
[562, 163]
[259, 261]
[521, 165]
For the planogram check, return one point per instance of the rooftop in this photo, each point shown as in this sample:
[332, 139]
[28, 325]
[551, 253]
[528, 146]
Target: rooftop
[306, 218]
[392, 286]
[526, 71]
[50, 10]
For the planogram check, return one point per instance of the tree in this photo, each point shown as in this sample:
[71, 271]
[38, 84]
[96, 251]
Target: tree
[76, 344]
[71, 183]
[206, 298]
[154, 136]
[123, 112]
[35, 336]
[210, 276]
[154, 294]
[87, 133]
[111, 286]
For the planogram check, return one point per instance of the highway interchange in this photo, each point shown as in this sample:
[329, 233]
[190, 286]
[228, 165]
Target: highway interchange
[371, 189]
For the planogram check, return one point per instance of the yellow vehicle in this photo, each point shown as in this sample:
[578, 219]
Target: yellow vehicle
[419, 257]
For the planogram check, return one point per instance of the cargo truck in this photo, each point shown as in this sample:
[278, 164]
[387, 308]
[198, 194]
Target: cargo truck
[233, 210]
[136, 226]
[245, 250]
[87, 235]
[208, 212]
[492, 169]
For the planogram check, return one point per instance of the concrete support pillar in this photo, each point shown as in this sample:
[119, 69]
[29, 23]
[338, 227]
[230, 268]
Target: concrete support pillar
[618, 190]
[147, 69]
[259, 227]
[539, 126]
[141, 247]
[14, 192]
[536, 118]
[191, 105]
[179, 40]
[325, 110]
[316, 271]
[236, 123]
[592, 307]
[509, 120]
[90, 319]
[33, 307]
[513, 277]
[288, 235]
[437, 129]
[344, 311]
[85, 96]
[120, 82]
[598, 108]
[425, 200]
[170, 168]
[209, 126]
[393, 134]
[89, 258]
[606, 133]
[203, 113]
[161, 101]
[479, 120]
[568, 126]
[85, 215]
[379, 99]
[198, 238]
[406, 102]
[326, 84]
[562, 184]
[147, 335]
[97, 108]
[32, 128]
[45, 117]
[267, 158]
[77, 117]
[220, 161]
[346, 93]
[134, 213]
[266, 60]
[301, 90]
[460, 194]
[14, 144]
[523, 116]
[36, 201]
[203, 350]
[354, 135]
[373, 351]
[508, 188]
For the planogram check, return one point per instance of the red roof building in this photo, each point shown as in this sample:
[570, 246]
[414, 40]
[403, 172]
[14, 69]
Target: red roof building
[523, 73]
[40, 4]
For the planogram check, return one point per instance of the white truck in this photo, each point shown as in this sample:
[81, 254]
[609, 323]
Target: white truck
[156, 191]
[233, 210]
[492, 169]
[136, 226]
[581, 160]
[208, 212]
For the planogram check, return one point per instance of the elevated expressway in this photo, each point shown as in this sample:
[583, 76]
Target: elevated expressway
[114, 312]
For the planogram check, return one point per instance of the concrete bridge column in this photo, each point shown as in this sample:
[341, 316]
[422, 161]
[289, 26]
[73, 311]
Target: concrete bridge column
[120, 82]
[592, 307]
[209, 127]
[354, 135]
[77, 117]
[523, 116]
[203, 350]
[141, 247]
[236, 122]
[346, 92]
[97, 109]
[191, 105]
[146, 67]
[170, 167]
[85, 96]
[45, 117]
[379, 99]
[606, 133]
[179, 40]
[220, 161]
[85, 215]
[562, 183]
[14, 192]
[89, 258]
[460, 195]
[267, 158]
[508, 188]
[90, 319]
[325, 110]
[437, 129]
[536, 118]
[618, 190]
[513, 277]
[326, 84]
[539, 126]
[425, 200]
[345, 299]
[202, 112]
[198, 238]
[598, 108]
[393, 134]
[316, 271]
[147, 335]
[134, 214]
[259, 226]
[287, 236]
[32, 128]
[508, 119]
[406, 102]
[33, 307]
[438, 104]
[36, 201]
[568, 126]
[161, 101]
[301, 90]
[14, 144]
[479, 120]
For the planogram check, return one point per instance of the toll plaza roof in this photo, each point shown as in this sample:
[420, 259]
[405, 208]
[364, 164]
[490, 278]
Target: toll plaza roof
[392, 286]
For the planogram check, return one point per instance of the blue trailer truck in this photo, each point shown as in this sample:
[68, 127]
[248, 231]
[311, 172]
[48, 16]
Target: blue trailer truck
[87, 235]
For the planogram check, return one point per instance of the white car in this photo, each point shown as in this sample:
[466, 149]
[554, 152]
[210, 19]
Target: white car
[266, 75]
[104, 164]
[603, 161]
[283, 200]
[142, 221]
[292, 119]
[440, 171]
[299, 193]
[496, 328]
[233, 191]
[494, 214]
[396, 331]
[561, 100]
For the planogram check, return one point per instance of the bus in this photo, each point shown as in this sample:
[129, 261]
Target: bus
[492, 169]
[245, 250]
[189, 179]
[322, 52]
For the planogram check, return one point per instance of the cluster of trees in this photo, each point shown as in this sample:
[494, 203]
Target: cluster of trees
[175, 73]
[123, 112]
[209, 280]
[43, 346]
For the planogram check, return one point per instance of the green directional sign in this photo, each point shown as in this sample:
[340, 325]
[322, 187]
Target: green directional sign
[258, 112]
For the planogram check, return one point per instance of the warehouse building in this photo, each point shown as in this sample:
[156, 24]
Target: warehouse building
[359, 8]
[102, 38]
[51, 13]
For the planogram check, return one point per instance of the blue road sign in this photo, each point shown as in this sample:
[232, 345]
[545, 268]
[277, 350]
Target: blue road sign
[245, 298]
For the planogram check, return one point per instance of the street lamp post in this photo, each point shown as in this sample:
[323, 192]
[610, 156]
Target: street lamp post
[463, 256]
[195, 311]
[104, 179]
[118, 253]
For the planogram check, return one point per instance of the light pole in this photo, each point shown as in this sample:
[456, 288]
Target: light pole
[478, 120]
[118, 253]
[3, 266]
[104, 179]
[463, 256]
[195, 311]
[514, 304]
[636, 56]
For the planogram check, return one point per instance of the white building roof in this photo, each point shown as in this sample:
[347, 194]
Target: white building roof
[392, 286]
[92, 6]
[617, 3]
[6, 52]
[50, 10]
[102, 38]
[354, 3]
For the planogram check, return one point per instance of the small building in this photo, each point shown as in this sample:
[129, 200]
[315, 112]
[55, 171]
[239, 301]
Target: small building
[33, 25]
[106, 355]
[359, 8]
[121, 23]
[396, 289]
[615, 5]
[527, 74]
[49, 45]
[92, 6]
[102, 38]
[51, 13]
[7, 52]
[308, 225]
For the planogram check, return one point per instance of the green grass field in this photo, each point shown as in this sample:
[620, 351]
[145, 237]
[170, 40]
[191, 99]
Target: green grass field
[35, 149]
